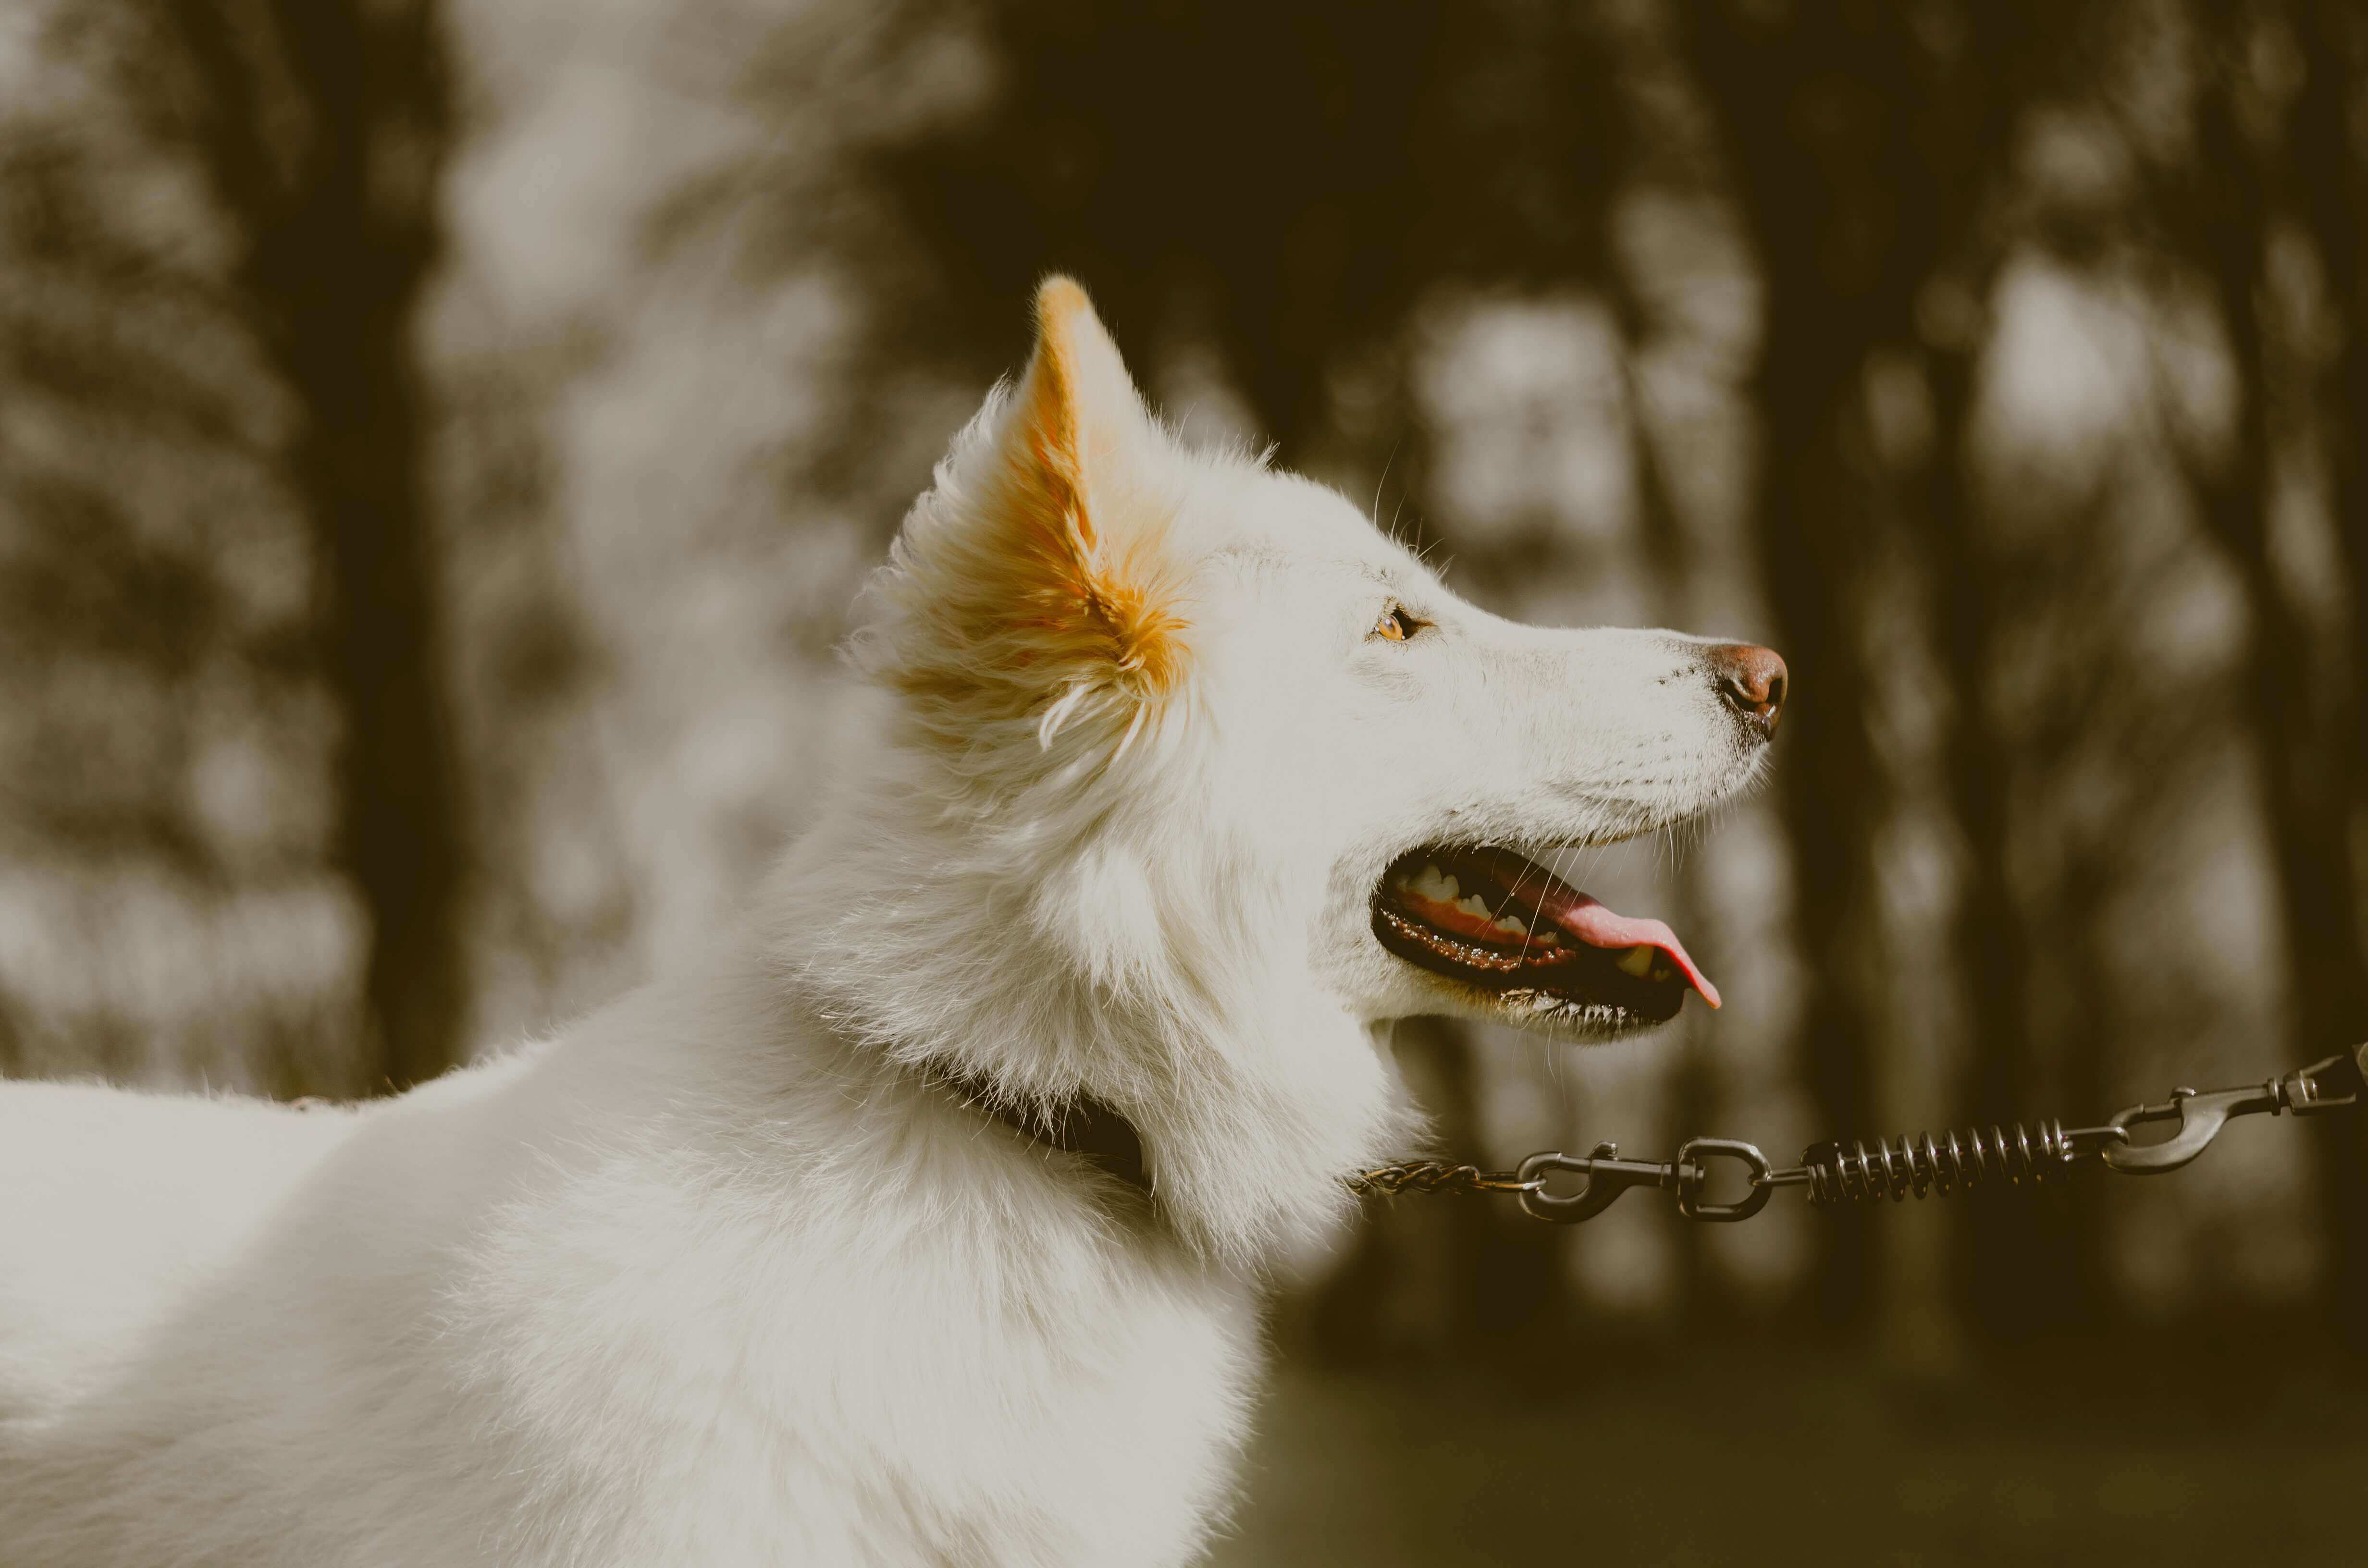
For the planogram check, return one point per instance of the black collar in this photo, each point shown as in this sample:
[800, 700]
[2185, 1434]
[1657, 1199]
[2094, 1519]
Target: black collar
[1083, 1125]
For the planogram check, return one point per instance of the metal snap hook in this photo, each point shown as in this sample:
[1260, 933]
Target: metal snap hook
[1608, 1175]
[2200, 1116]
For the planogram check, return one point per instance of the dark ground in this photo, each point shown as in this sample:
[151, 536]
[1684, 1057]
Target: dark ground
[2108, 1454]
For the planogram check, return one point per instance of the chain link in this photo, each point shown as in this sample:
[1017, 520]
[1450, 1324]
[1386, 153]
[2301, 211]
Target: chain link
[1435, 1175]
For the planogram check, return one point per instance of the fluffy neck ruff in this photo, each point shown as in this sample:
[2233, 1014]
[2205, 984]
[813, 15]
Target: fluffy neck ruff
[1082, 940]
[1082, 1126]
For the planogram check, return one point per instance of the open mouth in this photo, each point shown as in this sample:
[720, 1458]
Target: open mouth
[1507, 926]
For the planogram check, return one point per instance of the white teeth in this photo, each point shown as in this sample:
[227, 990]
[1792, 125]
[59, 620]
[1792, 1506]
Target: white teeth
[1638, 961]
[1435, 885]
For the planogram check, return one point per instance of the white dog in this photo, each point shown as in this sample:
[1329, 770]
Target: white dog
[923, 1224]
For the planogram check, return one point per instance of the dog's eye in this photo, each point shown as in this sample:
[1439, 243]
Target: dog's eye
[1398, 625]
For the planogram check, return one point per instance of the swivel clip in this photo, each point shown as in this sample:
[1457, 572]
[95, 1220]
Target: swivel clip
[2330, 1084]
[1608, 1175]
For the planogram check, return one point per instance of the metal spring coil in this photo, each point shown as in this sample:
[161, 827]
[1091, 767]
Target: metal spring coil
[1923, 1165]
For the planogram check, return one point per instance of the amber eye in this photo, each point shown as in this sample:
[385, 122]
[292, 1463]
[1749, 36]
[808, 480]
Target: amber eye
[1398, 625]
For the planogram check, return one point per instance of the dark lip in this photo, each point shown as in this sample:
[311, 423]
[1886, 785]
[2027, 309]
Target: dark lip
[1589, 979]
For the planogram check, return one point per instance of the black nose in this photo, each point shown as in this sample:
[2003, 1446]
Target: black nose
[1750, 680]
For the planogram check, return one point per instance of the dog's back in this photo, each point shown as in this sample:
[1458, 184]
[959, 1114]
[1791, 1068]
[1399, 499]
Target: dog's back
[118, 1205]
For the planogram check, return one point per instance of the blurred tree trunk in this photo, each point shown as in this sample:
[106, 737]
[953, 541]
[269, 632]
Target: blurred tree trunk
[2303, 732]
[2330, 168]
[2022, 1269]
[321, 126]
[1857, 172]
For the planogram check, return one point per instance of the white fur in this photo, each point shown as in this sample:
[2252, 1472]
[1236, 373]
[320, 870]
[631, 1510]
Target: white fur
[715, 1276]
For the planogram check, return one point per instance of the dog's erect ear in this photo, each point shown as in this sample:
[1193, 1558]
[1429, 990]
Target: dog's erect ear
[1034, 581]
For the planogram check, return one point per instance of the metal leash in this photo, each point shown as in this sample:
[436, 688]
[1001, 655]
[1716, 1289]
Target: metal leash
[1921, 1166]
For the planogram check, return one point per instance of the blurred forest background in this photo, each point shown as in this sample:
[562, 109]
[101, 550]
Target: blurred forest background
[439, 440]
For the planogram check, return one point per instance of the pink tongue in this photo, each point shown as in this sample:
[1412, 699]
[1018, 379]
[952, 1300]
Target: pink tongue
[1592, 922]
[1600, 927]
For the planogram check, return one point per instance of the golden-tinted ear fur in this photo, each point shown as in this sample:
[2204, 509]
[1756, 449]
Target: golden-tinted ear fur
[1032, 582]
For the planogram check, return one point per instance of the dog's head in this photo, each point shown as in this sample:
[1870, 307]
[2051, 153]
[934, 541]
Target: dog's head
[1205, 693]
[1193, 780]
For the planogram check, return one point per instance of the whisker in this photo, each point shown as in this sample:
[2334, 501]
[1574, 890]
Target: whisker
[1531, 934]
[1385, 479]
[1595, 864]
